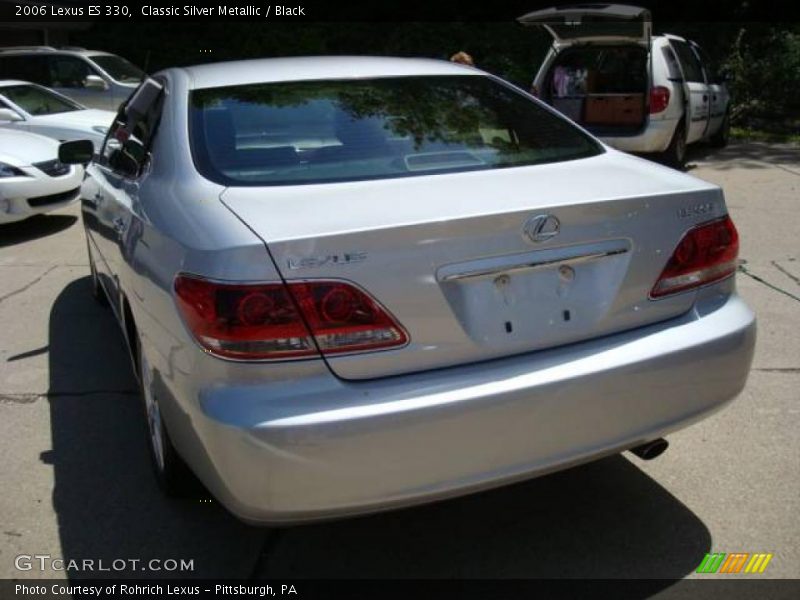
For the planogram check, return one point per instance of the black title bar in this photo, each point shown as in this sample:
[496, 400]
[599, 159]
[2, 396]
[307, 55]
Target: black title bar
[222, 11]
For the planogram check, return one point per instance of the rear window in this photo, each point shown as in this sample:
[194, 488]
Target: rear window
[346, 130]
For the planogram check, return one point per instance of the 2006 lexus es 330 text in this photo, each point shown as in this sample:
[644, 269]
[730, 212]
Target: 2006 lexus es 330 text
[352, 284]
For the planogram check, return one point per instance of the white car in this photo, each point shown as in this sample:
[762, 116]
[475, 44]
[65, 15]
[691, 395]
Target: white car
[32, 179]
[30, 107]
[95, 79]
[636, 91]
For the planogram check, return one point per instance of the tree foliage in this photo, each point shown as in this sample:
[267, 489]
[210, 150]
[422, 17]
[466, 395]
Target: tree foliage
[763, 58]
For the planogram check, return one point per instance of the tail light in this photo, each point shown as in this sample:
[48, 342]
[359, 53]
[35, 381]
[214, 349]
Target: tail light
[705, 254]
[659, 99]
[274, 320]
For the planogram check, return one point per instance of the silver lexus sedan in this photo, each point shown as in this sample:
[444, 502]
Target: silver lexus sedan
[351, 284]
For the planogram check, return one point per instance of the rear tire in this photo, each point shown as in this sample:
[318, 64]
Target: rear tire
[723, 134]
[173, 476]
[675, 154]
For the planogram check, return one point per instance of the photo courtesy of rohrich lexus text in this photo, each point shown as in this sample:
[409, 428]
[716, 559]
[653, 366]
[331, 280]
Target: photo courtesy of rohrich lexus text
[399, 300]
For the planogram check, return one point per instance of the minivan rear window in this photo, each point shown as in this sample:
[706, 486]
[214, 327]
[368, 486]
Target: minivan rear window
[300, 132]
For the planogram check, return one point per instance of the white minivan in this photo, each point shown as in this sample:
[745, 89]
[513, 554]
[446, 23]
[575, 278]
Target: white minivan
[638, 92]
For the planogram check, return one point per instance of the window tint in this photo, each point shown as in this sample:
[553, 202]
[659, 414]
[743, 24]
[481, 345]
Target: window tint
[24, 68]
[68, 71]
[708, 64]
[327, 131]
[692, 70]
[119, 68]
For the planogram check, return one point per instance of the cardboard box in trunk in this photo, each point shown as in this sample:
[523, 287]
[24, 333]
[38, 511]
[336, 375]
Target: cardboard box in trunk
[614, 109]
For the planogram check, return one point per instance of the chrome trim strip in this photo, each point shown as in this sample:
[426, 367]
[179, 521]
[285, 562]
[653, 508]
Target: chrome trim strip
[529, 266]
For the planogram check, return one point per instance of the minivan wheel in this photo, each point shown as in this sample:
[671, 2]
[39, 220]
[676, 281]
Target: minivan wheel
[171, 472]
[723, 134]
[675, 154]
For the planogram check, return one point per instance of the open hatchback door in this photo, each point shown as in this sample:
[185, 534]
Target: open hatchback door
[587, 23]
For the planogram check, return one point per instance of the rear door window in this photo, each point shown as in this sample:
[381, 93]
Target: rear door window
[692, 69]
[345, 130]
[708, 64]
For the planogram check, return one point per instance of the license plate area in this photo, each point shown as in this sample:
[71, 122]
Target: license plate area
[536, 299]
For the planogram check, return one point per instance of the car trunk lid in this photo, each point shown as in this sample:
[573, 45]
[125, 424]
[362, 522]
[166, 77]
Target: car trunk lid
[485, 264]
[587, 23]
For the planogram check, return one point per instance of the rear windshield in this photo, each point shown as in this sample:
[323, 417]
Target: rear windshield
[346, 130]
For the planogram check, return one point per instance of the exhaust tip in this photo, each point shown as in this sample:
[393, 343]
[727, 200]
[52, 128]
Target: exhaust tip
[651, 450]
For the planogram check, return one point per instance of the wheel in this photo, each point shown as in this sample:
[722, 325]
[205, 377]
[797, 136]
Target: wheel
[723, 134]
[98, 293]
[172, 474]
[675, 154]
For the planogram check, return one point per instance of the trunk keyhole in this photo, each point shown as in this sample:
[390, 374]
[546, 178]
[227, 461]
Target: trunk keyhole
[509, 327]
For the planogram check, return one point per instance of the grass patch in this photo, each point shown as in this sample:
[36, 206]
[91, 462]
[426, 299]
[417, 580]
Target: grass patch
[747, 134]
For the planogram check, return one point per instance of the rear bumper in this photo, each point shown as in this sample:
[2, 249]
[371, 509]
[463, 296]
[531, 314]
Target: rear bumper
[326, 448]
[655, 137]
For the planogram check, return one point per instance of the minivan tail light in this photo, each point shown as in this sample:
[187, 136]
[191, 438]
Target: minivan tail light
[279, 321]
[659, 99]
[706, 253]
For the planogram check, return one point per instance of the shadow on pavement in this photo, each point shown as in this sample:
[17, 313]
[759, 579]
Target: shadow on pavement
[35, 227]
[106, 499]
[602, 520]
[606, 519]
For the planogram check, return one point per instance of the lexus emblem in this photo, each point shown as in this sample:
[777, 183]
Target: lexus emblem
[541, 228]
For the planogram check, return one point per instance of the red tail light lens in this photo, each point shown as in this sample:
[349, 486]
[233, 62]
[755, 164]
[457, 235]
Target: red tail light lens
[704, 255]
[345, 319]
[659, 99]
[243, 321]
[272, 320]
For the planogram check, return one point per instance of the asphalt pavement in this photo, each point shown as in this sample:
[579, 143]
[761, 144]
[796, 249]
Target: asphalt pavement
[76, 481]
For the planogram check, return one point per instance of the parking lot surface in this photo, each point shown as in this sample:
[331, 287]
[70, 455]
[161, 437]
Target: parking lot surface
[76, 481]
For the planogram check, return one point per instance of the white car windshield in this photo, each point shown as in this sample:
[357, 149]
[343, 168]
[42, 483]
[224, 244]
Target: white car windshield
[37, 101]
[345, 130]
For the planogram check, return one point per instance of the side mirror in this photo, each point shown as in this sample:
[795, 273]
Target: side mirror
[6, 114]
[95, 82]
[76, 152]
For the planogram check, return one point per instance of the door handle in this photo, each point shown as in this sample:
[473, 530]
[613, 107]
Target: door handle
[714, 98]
[705, 98]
